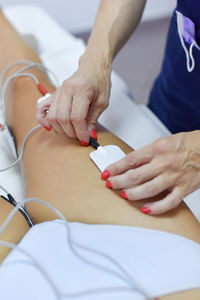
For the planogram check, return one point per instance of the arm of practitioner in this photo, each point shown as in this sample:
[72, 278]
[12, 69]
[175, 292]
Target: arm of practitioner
[79, 101]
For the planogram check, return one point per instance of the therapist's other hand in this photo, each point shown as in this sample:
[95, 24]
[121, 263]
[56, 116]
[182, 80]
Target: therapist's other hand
[169, 164]
[76, 105]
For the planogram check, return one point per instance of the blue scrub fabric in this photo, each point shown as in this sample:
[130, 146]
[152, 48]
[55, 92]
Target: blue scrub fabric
[175, 96]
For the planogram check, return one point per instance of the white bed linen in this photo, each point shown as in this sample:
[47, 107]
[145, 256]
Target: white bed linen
[162, 263]
[60, 51]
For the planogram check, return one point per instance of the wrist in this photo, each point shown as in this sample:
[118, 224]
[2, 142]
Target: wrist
[93, 57]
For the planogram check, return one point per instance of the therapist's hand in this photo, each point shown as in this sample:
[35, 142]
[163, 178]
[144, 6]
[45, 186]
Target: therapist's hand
[170, 163]
[76, 105]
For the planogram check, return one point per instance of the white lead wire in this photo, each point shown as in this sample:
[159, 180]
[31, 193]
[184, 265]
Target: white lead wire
[22, 149]
[28, 64]
[133, 284]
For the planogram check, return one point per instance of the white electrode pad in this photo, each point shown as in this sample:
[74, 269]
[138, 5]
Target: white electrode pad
[106, 155]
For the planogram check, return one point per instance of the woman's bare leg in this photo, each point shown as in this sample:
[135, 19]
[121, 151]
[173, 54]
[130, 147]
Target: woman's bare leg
[58, 170]
[18, 226]
[15, 230]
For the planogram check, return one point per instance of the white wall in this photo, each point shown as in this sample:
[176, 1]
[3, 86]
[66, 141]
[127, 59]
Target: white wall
[156, 9]
[79, 15]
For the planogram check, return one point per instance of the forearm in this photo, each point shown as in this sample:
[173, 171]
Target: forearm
[115, 22]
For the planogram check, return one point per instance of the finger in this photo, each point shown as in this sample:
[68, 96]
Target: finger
[52, 114]
[135, 177]
[41, 112]
[171, 201]
[79, 118]
[63, 115]
[150, 188]
[133, 160]
[94, 113]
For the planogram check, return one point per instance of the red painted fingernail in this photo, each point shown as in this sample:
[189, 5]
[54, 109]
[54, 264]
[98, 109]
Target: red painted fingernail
[145, 210]
[47, 128]
[123, 195]
[105, 175]
[108, 184]
[84, 143]
[156, 298]
[94, 134]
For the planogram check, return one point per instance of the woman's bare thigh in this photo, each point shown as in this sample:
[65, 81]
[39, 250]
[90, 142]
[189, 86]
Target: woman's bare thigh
[15, 230]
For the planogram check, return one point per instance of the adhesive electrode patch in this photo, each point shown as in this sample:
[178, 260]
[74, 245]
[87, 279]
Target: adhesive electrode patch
[106, 155]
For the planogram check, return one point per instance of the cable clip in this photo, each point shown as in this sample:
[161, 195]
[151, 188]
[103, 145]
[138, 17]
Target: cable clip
[42, 89]
[2, 127]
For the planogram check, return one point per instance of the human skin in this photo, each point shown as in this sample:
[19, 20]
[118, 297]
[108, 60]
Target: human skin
[15, 230]
[170, 163]
[58, 170]
[77, 104]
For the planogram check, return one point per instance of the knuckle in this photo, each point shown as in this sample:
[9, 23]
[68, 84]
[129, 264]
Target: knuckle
[160, 145]
[66, 84]
[130, 159]
[89, 88]
[102, 104]
[166, 164]
[133, 177]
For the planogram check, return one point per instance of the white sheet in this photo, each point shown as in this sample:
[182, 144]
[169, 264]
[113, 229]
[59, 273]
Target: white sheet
[152, 257]
[60, 51]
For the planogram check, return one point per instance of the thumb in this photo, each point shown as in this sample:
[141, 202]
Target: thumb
[42, 109]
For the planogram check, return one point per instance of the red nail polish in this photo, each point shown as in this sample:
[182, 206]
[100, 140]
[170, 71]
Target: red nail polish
[94, 134]
[145, 210]
[105, 175]
[156, 298]
[47, 128]
[108, 184]
[123, 195]
[84, 143]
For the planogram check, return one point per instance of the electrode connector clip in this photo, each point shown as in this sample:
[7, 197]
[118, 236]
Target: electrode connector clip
[94, 143]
